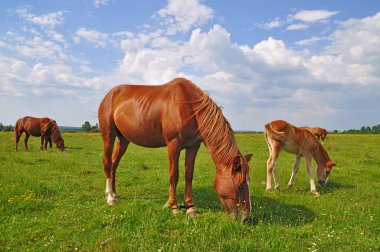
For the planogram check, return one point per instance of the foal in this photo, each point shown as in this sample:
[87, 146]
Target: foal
[300, 142]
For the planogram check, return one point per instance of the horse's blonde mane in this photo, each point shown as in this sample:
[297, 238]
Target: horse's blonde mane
[215, 130]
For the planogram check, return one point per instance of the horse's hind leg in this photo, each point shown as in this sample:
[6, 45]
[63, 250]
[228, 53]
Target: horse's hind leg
[173, 153]
[118, 152]
[17, 136]
[42, 142]
[109, 136]
[191, 153]
[26, 141]
[274, 150]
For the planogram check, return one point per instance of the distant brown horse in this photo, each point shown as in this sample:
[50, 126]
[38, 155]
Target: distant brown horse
[319, 133]
[300, 142]
[45, 127]
[178, 115]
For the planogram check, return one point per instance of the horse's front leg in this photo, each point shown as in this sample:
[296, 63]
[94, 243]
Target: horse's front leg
[173, 153]
[295, 170]
[308, 161]
[26, 141]
[191, 153]
[46, 142]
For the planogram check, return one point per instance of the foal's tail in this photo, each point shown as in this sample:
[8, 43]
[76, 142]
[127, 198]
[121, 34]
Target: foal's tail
[270, 132]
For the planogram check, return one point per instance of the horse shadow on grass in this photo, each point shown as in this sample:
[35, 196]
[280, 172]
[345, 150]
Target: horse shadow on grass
[334, 185]
[264, 209]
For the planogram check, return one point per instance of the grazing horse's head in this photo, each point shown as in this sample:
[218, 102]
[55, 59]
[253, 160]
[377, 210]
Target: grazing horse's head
[232, 186]
[60, 144]
[323, 171]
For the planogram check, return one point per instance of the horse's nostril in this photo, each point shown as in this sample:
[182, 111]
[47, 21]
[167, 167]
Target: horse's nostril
[327, 172]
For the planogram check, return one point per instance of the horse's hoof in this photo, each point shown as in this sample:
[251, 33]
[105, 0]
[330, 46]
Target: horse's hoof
[192, 212]
[176, 210]
[316, 194]
[269, 190]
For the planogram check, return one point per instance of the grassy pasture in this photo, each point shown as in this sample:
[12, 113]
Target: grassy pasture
[53, 201]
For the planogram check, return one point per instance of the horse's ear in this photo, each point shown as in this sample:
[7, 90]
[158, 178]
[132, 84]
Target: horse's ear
[236, 164]
[248, 157]
[238, 174]
[331, 163]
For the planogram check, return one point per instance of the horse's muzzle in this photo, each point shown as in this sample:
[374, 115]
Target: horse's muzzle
[322, 183]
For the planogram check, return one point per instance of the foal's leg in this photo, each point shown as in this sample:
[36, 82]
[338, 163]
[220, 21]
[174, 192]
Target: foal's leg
[308, 160]
[173, 152]
[191, 153]
[118, 152]
[50, 143]
[26, 141]
[295, 170]
[271, 165]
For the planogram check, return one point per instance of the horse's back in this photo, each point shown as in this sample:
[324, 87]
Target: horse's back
[149, 115]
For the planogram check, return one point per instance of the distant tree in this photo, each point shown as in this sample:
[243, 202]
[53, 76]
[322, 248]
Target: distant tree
[86, 127]
[1, 127]
[95, 128]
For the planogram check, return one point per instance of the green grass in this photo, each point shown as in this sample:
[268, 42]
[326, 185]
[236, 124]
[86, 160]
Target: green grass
[53, 201]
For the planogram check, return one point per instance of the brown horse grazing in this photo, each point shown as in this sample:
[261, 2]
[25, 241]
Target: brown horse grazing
[44, 127]
[319, 133]
[300, 142]
[178, 115]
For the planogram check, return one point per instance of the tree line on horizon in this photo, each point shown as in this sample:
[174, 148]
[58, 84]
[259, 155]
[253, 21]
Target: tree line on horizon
[87, 127]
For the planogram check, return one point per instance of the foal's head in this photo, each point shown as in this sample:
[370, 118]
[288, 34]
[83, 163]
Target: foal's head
[232, 186]
[323, 172]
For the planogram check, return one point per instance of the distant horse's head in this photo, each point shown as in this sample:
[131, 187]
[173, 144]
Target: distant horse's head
[323, 134]
[60, 144]
[323, 172]
[232, 186]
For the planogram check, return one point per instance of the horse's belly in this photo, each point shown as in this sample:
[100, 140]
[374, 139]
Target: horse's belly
[142, 134]
[146, 140]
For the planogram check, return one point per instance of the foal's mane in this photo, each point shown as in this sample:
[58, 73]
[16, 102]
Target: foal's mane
[55, 134]
[215, 130]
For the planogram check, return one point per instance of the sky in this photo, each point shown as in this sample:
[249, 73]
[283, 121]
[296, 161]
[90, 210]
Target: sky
[313, 63]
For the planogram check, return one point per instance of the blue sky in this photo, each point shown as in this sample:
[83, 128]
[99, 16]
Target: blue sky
[311, 63]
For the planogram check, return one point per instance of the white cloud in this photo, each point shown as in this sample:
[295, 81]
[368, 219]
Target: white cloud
[95, 37]
[294, 27]
[310, 16]
[309, 41]
[275, 23]
[183, 15]
[49, 20]
[100, 3]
